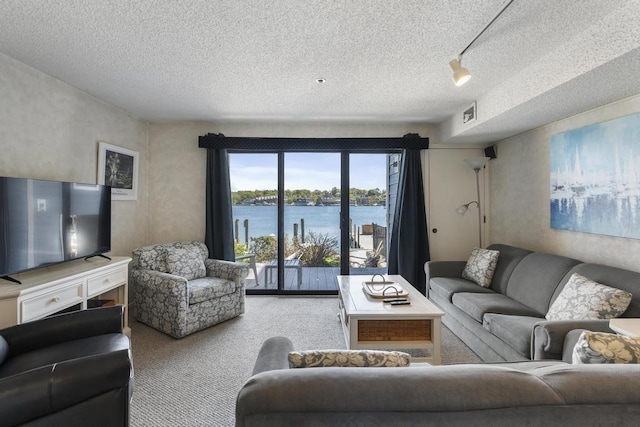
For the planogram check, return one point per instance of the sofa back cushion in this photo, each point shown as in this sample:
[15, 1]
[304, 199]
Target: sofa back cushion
[536, 277]
[614, 277]
[509, 257]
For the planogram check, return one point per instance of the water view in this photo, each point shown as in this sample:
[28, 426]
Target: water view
[319, 219]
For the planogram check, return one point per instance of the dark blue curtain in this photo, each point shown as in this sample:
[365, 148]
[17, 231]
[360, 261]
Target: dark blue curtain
[219, 216]
[409, 244]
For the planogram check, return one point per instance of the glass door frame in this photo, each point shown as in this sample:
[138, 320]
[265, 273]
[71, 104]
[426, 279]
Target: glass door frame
[343, 220]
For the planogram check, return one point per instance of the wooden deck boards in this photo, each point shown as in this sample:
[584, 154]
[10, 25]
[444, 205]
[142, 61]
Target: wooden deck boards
[313, 278]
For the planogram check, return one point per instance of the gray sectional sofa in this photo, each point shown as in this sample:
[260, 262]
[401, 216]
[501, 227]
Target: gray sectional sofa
[506, 321]
[533, 393]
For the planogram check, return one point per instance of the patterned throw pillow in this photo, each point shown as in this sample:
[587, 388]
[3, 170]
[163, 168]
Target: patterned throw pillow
[186, 262]
[348, 358]
[601, 347]
[584, 299]
[480, 266]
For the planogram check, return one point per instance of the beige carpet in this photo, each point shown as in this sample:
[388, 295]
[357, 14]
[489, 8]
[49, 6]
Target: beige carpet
[194, 381]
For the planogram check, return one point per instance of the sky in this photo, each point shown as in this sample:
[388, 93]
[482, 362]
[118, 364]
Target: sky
[310, 171]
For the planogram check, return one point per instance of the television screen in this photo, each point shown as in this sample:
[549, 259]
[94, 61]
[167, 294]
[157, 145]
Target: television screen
[47, 222]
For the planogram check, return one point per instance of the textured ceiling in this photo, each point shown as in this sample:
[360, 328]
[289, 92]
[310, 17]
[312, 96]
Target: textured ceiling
[383, 60]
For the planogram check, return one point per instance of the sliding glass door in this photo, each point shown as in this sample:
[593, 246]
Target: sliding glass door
[302, 218]
[311, 221]
[368, 184]
[254, 193]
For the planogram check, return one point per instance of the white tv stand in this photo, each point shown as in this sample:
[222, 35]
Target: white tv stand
[48, 290]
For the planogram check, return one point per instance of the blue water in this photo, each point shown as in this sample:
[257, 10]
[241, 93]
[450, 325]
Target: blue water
[319, 219]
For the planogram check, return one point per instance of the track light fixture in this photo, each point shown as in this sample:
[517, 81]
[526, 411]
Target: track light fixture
[460, 74]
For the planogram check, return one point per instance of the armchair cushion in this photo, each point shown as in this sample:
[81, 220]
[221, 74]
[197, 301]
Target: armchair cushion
[208, 288]
[76, 349]
[186, 262]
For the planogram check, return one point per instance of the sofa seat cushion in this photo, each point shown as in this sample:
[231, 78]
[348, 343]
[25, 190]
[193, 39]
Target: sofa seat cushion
[477, 305]
[513, 330]
[207, 288]
[445, 287]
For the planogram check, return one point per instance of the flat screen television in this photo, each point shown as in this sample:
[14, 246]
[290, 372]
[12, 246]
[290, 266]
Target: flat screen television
[49, 222]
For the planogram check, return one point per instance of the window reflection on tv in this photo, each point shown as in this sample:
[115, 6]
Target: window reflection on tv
[48, 222]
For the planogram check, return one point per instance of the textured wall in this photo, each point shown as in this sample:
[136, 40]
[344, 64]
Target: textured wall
[520, 195]
[177, 166]
[49, 130]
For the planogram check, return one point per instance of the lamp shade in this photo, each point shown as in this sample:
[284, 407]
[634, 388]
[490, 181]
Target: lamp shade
[462, 209]
[477, 163]
[460, 74]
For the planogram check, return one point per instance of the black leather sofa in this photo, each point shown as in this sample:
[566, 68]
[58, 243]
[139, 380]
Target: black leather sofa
[67, 370]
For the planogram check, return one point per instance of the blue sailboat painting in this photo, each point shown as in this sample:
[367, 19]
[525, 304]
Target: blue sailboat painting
[595, 178]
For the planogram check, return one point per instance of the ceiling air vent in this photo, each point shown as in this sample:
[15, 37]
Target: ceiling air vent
[469, 114]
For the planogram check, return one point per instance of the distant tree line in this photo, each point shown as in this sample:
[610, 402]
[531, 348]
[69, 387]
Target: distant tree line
[373, 196]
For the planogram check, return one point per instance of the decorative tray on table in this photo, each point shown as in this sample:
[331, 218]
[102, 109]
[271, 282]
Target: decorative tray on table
[383, 288]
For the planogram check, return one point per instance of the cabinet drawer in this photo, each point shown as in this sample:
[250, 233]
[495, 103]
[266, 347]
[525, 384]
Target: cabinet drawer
[49, 303]
[104, 282]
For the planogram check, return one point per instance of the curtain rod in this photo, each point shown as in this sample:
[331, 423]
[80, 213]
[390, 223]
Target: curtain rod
[408, 141]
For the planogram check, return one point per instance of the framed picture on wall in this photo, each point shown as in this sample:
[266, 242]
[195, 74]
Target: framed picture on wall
[595, 178]
[118, 167]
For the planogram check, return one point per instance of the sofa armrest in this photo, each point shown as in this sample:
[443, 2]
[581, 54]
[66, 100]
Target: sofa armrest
[64, 327]
[229, 270]
[273, 355]
[547, 339]
[444, 269]
[51, 388]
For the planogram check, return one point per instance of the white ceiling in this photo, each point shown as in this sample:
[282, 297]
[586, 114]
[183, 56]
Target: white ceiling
[383, 60]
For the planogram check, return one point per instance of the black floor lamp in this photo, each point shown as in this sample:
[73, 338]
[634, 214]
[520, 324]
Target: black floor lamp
[476, 163]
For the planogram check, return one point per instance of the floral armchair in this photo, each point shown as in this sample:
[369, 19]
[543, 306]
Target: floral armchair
[178, 290]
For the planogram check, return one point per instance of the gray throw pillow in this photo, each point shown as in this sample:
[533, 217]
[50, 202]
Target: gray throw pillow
[348, 358]
[584, 299]
[480, 266]
[601, 347]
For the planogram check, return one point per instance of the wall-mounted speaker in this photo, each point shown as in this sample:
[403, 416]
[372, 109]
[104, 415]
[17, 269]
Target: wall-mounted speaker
[490, 152]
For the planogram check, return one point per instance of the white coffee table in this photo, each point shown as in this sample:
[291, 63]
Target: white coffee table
[629, 327]
[369, 323]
